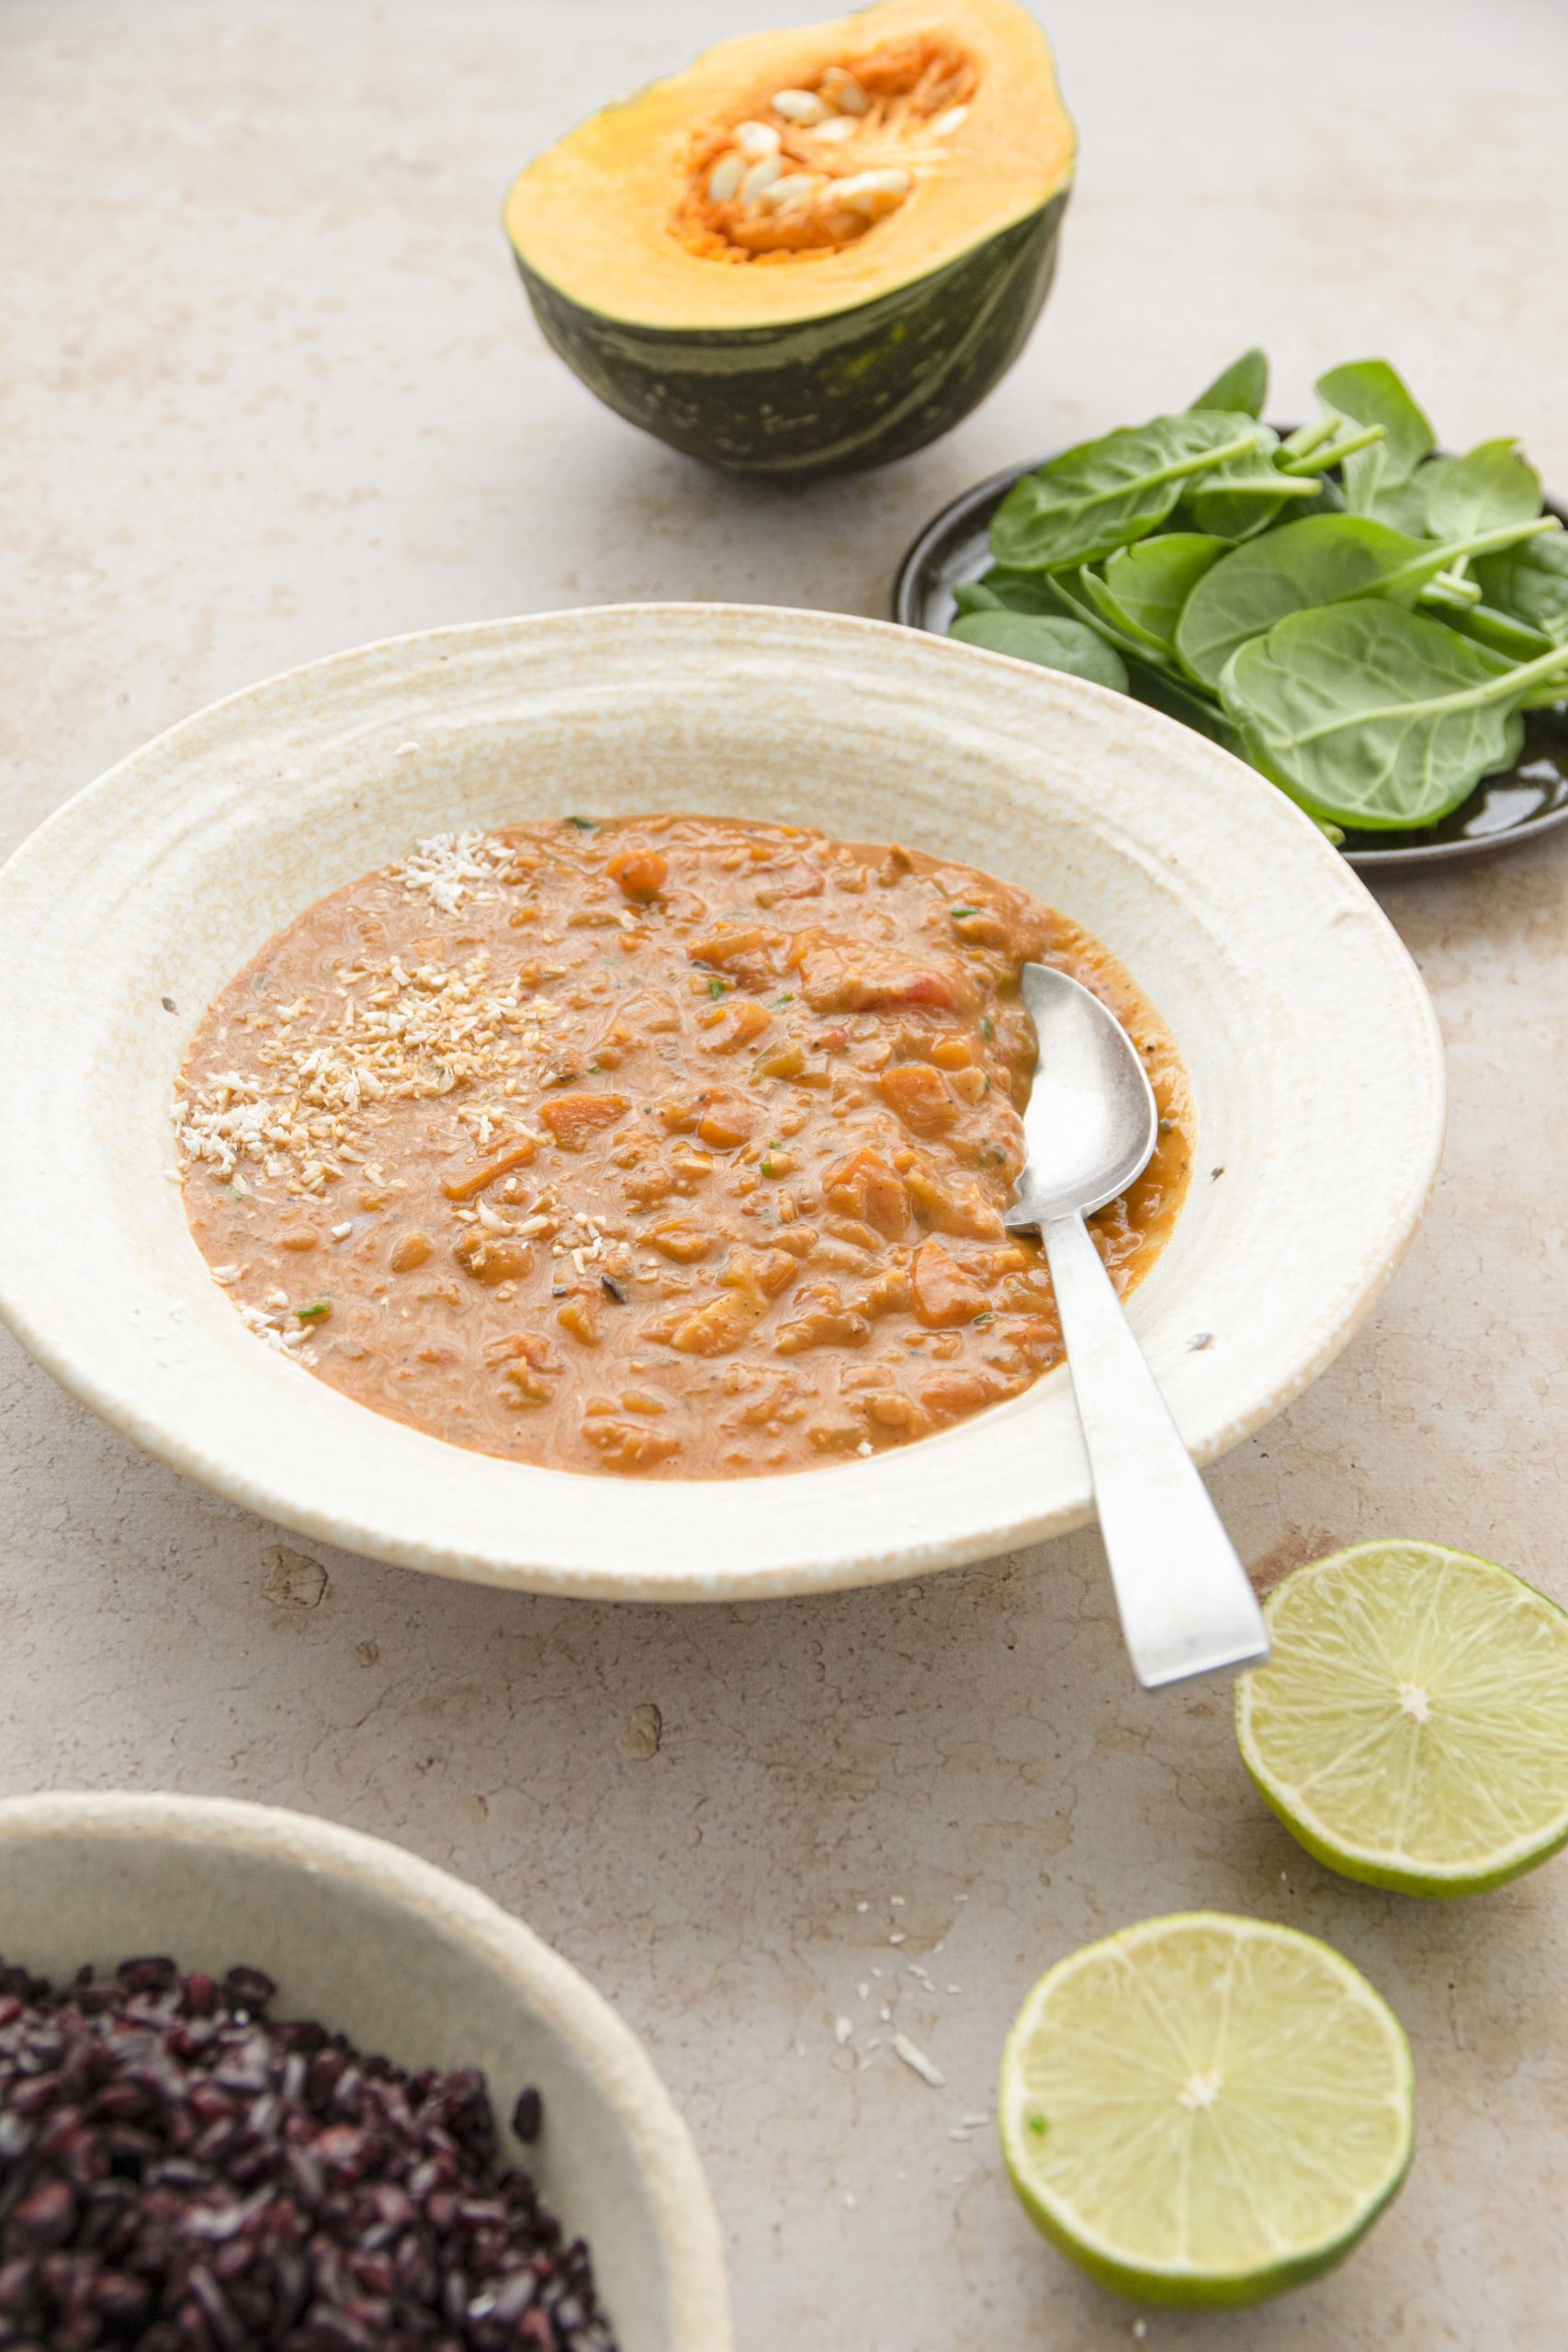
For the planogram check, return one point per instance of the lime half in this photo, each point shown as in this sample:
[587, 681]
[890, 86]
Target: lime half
[1412, 1728]
[1206, 2109]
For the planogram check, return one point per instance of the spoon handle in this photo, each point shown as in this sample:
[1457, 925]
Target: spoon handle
[1185, 1602]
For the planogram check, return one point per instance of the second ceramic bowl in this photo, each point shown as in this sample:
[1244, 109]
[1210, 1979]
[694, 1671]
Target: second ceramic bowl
[1311, 1046]
[411, 1963]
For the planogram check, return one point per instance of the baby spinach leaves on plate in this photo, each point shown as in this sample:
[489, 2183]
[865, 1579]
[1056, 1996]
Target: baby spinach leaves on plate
[1265, 592]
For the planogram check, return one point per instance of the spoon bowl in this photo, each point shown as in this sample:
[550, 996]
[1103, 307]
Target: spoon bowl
[1092, 1121]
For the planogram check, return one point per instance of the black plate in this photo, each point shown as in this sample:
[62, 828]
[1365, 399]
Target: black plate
[1505, 811]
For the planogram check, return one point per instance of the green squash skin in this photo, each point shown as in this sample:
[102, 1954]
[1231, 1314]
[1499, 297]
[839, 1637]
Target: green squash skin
[804, 399]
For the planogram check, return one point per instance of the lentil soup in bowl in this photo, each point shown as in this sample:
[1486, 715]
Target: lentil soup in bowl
[663, 1147]
[598, 1054]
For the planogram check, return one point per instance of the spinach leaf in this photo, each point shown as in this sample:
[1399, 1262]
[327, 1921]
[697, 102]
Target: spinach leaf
[1530, 583]
[1241, 388]
[1188, 704]
[1104, 494]
[1054, 644]
[1116, 618]
[1152, 580]
[1078, 599]
[1374, 717]
[1323, 561]
[1493, 484]
[1017, 592]
[1365, 393]
[1244, 504]
[1245, 494]
[1501, 631]
[1402, 505]
[975, 596]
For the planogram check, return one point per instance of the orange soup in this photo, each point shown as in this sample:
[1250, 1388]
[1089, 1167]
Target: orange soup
[671, 1147]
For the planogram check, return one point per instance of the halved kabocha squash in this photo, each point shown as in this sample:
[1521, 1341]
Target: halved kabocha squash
[814, 250]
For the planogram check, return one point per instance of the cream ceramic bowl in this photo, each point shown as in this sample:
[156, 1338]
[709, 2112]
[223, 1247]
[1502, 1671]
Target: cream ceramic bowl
[410, 1962]
[1312, 1047]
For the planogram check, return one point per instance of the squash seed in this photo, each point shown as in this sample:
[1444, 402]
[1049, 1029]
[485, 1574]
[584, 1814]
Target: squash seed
[873, 194]
[803, 107]
[756, 140]
[842, 90]
[760, 176]
[838, 127]
[795, 187]
[724, 180]
[946, 124]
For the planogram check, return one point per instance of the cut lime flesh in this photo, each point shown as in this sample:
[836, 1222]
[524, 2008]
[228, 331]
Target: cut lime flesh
[1206, 2109]
[1412, 1727]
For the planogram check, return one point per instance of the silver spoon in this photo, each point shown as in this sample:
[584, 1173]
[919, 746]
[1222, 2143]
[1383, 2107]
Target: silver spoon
[1185, 1602]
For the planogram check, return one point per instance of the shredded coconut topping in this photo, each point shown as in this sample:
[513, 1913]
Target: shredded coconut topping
[390, 1035]
[447, 868]
[274, 1329]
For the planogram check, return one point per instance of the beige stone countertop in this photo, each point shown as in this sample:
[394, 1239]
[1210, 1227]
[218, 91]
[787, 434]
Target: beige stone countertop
[269, 389]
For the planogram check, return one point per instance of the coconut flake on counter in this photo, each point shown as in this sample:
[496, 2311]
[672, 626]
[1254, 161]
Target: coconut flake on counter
[918, 2064]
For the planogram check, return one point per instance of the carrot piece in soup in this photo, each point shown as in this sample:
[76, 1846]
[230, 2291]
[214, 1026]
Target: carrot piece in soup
[573, 1118]
[641, 873]
[944, 1295]
[468, 1188]
[864, 1186]
[921, 1096]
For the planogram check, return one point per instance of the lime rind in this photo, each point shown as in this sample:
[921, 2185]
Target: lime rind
[1133, 2271]
[1337, 1626]
[1390, 1877]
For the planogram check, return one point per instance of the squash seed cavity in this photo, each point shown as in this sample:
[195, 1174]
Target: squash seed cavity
[809, 170]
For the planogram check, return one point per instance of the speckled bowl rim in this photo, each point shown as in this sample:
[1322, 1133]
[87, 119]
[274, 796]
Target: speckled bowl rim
[542, 1983]
[710, 1552]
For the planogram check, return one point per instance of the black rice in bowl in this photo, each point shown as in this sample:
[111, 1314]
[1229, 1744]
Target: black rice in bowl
[178, 2173]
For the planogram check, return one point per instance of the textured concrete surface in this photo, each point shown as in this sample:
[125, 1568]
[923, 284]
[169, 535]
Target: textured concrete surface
[270, 388]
